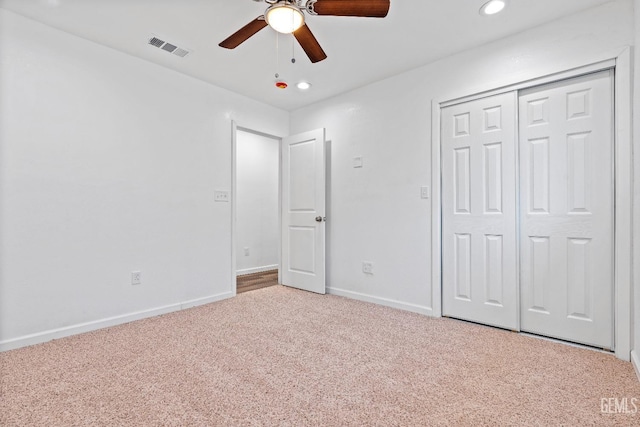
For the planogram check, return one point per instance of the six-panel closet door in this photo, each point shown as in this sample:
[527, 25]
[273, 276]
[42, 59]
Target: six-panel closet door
[479, 262]
[566, 208]
[544, 265]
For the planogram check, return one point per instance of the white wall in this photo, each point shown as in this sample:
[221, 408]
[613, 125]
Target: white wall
[376, 212]
[257, 220]
[108, 165]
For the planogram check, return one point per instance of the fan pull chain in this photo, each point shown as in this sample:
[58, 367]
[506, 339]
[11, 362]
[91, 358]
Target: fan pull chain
[280, 84]
[277, 53]
[293, 51]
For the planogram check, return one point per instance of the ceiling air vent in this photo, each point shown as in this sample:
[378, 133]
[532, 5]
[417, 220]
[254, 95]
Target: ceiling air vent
[154, 41]
[168, 47]
[180, 52]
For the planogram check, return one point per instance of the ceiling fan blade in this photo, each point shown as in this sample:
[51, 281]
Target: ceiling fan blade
[364, 8]
[244, 33]
[309, 44]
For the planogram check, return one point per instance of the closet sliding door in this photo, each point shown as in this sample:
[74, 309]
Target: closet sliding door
[566, 193]
[479, 259]
[559, 238]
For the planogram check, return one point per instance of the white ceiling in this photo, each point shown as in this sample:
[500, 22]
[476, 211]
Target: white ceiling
[360, 50]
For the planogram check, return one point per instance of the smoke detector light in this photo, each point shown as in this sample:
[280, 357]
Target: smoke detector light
[303, 85]
[284, 18]
[492, 7]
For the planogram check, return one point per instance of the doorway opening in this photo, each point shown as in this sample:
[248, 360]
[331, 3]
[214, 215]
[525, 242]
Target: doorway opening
[256, 210]
[278, 211]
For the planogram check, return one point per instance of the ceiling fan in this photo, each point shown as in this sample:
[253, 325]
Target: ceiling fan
[288, 16]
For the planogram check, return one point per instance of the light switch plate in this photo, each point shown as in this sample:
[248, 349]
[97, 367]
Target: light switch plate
[357, 162]
[221, 196]
[424, 192]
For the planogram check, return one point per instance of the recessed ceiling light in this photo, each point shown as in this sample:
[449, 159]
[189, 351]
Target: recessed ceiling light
[304, 85]
[492, 7]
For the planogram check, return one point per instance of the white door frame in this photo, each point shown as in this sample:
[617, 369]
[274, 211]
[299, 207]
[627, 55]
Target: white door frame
[623, 176]
[234, 158]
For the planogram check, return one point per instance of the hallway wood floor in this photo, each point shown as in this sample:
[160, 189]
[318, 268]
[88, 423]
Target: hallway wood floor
[251, 282]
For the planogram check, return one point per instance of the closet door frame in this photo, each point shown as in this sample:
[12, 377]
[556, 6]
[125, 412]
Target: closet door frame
[623, 195]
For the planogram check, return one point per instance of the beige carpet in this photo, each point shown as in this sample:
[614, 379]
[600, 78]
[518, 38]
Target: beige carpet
[282, 357]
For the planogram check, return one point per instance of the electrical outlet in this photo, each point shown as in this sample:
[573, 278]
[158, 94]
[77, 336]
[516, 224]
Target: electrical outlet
[367, 267]
[221, 196]
[246, 251]
[136, 277]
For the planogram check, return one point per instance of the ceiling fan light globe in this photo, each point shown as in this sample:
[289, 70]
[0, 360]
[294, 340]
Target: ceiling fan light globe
[284, 18]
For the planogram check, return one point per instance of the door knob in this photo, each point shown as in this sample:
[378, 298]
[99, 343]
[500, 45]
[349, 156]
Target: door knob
[319, 218]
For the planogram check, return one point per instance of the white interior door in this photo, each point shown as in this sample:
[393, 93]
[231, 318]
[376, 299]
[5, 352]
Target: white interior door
[479, 260]
[303, 211]
[566, 164]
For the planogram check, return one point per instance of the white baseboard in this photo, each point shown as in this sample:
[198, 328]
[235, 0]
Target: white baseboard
[381, 301]
[42, 337]
[635, 361]
[256, 269]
